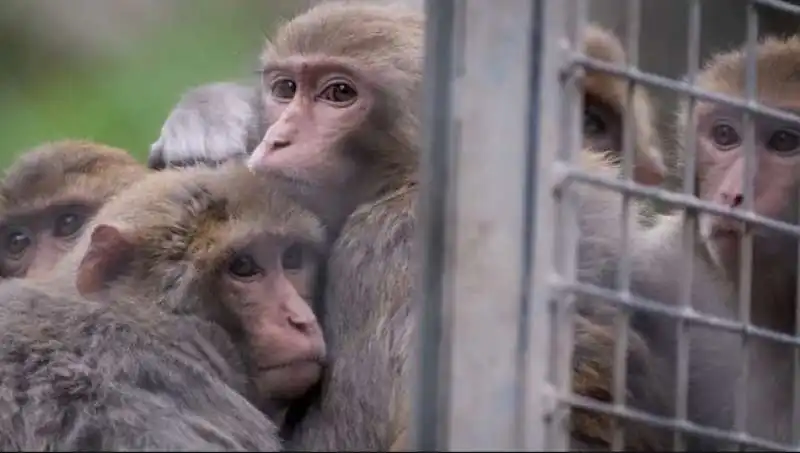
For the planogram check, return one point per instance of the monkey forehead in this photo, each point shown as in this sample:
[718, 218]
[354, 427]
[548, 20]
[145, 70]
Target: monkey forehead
[601, 44]
[354, 30]
[68, 169]
[209, 202]
[777, 67]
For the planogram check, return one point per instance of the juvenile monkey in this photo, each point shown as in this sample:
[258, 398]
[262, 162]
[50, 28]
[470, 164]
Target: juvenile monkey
[344, 135]
[721, 148]
[217, 121]
[605, 106]
[197, 302]
[47, 196]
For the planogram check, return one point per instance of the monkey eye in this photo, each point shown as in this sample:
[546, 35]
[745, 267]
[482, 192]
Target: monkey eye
[243, 266]
[283, 88]
[17, 242]
[292, 258]
[339, 93]
[784, 141]
[725, 136]
[593, 122]
[67, 224]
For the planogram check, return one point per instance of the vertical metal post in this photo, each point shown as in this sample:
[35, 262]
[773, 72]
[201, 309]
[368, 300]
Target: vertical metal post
[550, 47]
[431, 378]
[481, 268]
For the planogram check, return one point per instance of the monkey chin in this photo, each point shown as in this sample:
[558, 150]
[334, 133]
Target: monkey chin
[290, 380]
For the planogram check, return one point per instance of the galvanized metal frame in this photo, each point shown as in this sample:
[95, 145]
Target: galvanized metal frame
[498, 235]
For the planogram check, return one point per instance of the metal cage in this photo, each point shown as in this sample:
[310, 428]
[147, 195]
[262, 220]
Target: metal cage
[498, 234]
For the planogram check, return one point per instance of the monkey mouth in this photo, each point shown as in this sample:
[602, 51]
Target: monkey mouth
[318, 358]
[311, 359]
[292, 379]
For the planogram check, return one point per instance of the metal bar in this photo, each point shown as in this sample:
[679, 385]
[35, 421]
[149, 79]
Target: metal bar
[622, 317]
[429, 427]
[745, 278]
[483, 272]
[582, 402]
[779, 5]
[545, 129]
[566, 230]
[689, 225]
[691, 316]
[680, 87]
[567, 174]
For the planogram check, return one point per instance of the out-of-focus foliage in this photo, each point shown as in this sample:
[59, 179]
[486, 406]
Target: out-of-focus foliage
[110, 71]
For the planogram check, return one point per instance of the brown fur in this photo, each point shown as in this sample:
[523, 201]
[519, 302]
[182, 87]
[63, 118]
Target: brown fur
[602, 44]
[159, 353]
[69, 172]
[350, 32]
[67, 169]
[185, 220]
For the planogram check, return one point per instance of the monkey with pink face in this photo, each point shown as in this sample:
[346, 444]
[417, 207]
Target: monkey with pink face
[721, 147]
[339, 102]
[340, 97]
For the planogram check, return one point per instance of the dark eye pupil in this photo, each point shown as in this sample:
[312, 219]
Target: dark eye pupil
[67, 225]
[725, 135]
[243, 267]
[784, 141]
[284, 89]
[17, 242]
[292, 257]
[341, 92]
[593, 124]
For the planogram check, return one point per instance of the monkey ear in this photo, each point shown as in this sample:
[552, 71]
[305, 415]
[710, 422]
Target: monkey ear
[106, 258]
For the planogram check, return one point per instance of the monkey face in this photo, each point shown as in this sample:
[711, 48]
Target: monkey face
[268, 285]
[251, 273]
[32, 242]
[314, 109]
[721, 160]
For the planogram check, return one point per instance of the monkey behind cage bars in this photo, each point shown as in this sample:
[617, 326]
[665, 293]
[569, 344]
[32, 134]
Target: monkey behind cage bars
[497, 237]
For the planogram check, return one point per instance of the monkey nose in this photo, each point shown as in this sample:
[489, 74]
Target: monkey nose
[732, 200]
[277, 144]
[301, 324]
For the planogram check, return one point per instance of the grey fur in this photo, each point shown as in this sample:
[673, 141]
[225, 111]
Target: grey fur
[210, 123]
[82, 375]
[367, 383]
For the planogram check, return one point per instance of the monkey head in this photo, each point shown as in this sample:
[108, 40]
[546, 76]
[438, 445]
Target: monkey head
[47, 196]
[198, 242]
[721, 146]
[209, 125]
[604, 106]
[340, 88]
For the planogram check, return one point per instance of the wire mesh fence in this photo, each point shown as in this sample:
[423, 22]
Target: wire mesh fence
[501, 234]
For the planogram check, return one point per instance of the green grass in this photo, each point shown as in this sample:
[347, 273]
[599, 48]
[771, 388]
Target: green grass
[123, 101]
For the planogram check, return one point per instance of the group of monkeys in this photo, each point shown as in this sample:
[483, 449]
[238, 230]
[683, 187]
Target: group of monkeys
[250, 288]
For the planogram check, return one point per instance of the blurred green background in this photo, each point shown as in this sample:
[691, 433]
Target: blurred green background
[110, 71]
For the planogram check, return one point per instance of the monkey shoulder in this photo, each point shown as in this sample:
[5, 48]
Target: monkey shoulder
[110, 372]
[375, 246]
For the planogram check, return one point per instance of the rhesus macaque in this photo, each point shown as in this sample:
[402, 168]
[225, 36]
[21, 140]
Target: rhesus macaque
[605, 98]
[47, 196]
[210, 124]
[721, 146]
[214, 122]
[195, 316]
[341, 88]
